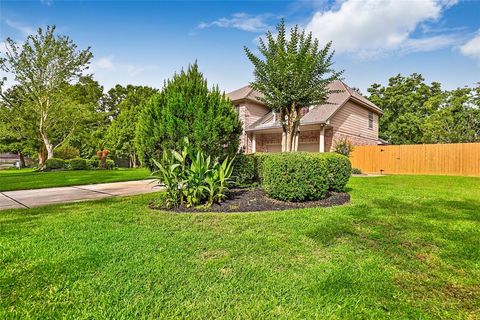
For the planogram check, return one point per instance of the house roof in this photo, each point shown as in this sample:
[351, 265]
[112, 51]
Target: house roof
[243, 93]
[317, 114]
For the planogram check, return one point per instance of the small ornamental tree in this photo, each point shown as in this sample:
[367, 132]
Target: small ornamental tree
[292, 73]
[186, 107]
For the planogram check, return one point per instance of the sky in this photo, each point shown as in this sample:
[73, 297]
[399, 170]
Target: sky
[146, 42]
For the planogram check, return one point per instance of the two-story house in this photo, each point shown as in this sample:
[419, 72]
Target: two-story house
[347, 114]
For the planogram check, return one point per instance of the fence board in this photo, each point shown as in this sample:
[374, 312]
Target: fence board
[444, 159]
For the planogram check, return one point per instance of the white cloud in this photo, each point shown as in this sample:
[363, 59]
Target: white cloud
[241, 21]
[104, 63]
[46, 2]
[429, 43]
[378, 26]
[472, 47]
[107, 65]
[24, 29]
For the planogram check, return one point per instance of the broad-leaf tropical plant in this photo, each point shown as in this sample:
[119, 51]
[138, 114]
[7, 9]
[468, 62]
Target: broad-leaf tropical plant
[191, 178]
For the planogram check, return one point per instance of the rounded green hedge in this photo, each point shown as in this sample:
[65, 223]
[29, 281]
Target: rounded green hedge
[93, 163]
[55, 163]
[110, 164]
[244, 169]
[296, 176]
[339, 171]
[78, 164]
[248, 168]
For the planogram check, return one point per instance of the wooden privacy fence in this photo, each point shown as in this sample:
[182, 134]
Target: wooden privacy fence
[444, 159]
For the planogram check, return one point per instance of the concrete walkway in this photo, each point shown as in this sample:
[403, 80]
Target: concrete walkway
[41, 197]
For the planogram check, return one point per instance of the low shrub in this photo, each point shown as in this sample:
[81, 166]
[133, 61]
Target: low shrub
[55, 164]
[339, 171]
[296, 176]
[66, 152]
[244, 169]
[109, 164]
[343, 146]
[259, 165]
[78, 164]
[248, 168]
[356, 171]
[93, 163]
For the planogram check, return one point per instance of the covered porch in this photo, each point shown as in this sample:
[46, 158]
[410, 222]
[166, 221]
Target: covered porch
[312, 138]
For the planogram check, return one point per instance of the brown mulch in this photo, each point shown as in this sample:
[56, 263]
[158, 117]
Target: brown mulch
[255, 199]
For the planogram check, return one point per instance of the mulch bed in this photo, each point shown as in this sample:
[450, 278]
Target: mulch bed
[255, 199]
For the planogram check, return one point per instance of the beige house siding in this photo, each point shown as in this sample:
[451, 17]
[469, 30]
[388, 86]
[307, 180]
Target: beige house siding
[351, 121]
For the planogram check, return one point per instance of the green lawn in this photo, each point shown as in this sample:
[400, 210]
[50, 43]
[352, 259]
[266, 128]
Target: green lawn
[407, 247]
[28, 179]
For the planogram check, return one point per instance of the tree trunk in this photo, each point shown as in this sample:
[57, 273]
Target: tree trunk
[41, 157]
[134, 159]
[22, 160]
[49, 148]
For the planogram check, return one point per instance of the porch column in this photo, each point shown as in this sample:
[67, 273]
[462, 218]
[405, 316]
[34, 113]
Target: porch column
[296, 141]
[254, 142]
[322, 139]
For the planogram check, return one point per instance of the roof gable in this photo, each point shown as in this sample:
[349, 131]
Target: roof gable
[317, 114]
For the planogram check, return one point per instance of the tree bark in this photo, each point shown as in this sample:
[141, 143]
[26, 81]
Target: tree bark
[134, 159]
[291, 128]
[41, 157]
[22, 160]
[48, 147]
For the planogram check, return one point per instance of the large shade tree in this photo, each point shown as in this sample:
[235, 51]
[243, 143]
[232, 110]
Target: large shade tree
[17, 134]
[416, 112]
[186, 107]
[43, 66]
[292, 72]
[120, 135]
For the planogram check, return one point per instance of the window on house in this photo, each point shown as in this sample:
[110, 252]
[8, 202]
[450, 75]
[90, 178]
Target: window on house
[370, 119]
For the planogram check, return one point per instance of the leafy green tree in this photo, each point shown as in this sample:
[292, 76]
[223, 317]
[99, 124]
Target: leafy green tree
[121, 132]
[456, 121]
[415, 112]
[292, 73]
[187, 108]
[406, 102]
[43, 66]
[17, 134]
[112, 99]
[88, 136]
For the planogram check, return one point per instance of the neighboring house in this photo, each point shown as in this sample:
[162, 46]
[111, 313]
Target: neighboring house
[9, 160]
[347, 114]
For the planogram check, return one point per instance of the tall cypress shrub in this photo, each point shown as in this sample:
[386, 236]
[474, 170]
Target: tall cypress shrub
[187, 108]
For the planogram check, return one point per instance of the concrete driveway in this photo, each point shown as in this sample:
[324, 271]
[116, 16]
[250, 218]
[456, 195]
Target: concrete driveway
[41, 197]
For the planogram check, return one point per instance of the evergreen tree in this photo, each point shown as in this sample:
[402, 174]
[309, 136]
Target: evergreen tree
[187, 108]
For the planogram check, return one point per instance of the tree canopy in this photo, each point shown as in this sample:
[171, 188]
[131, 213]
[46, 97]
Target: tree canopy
[416, 112]
[43, 66]
[186, 107]
[293, 72]
[120, 134]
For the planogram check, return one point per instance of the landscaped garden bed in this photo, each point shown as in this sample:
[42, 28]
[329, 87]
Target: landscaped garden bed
[281, 181]
[255, 199]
